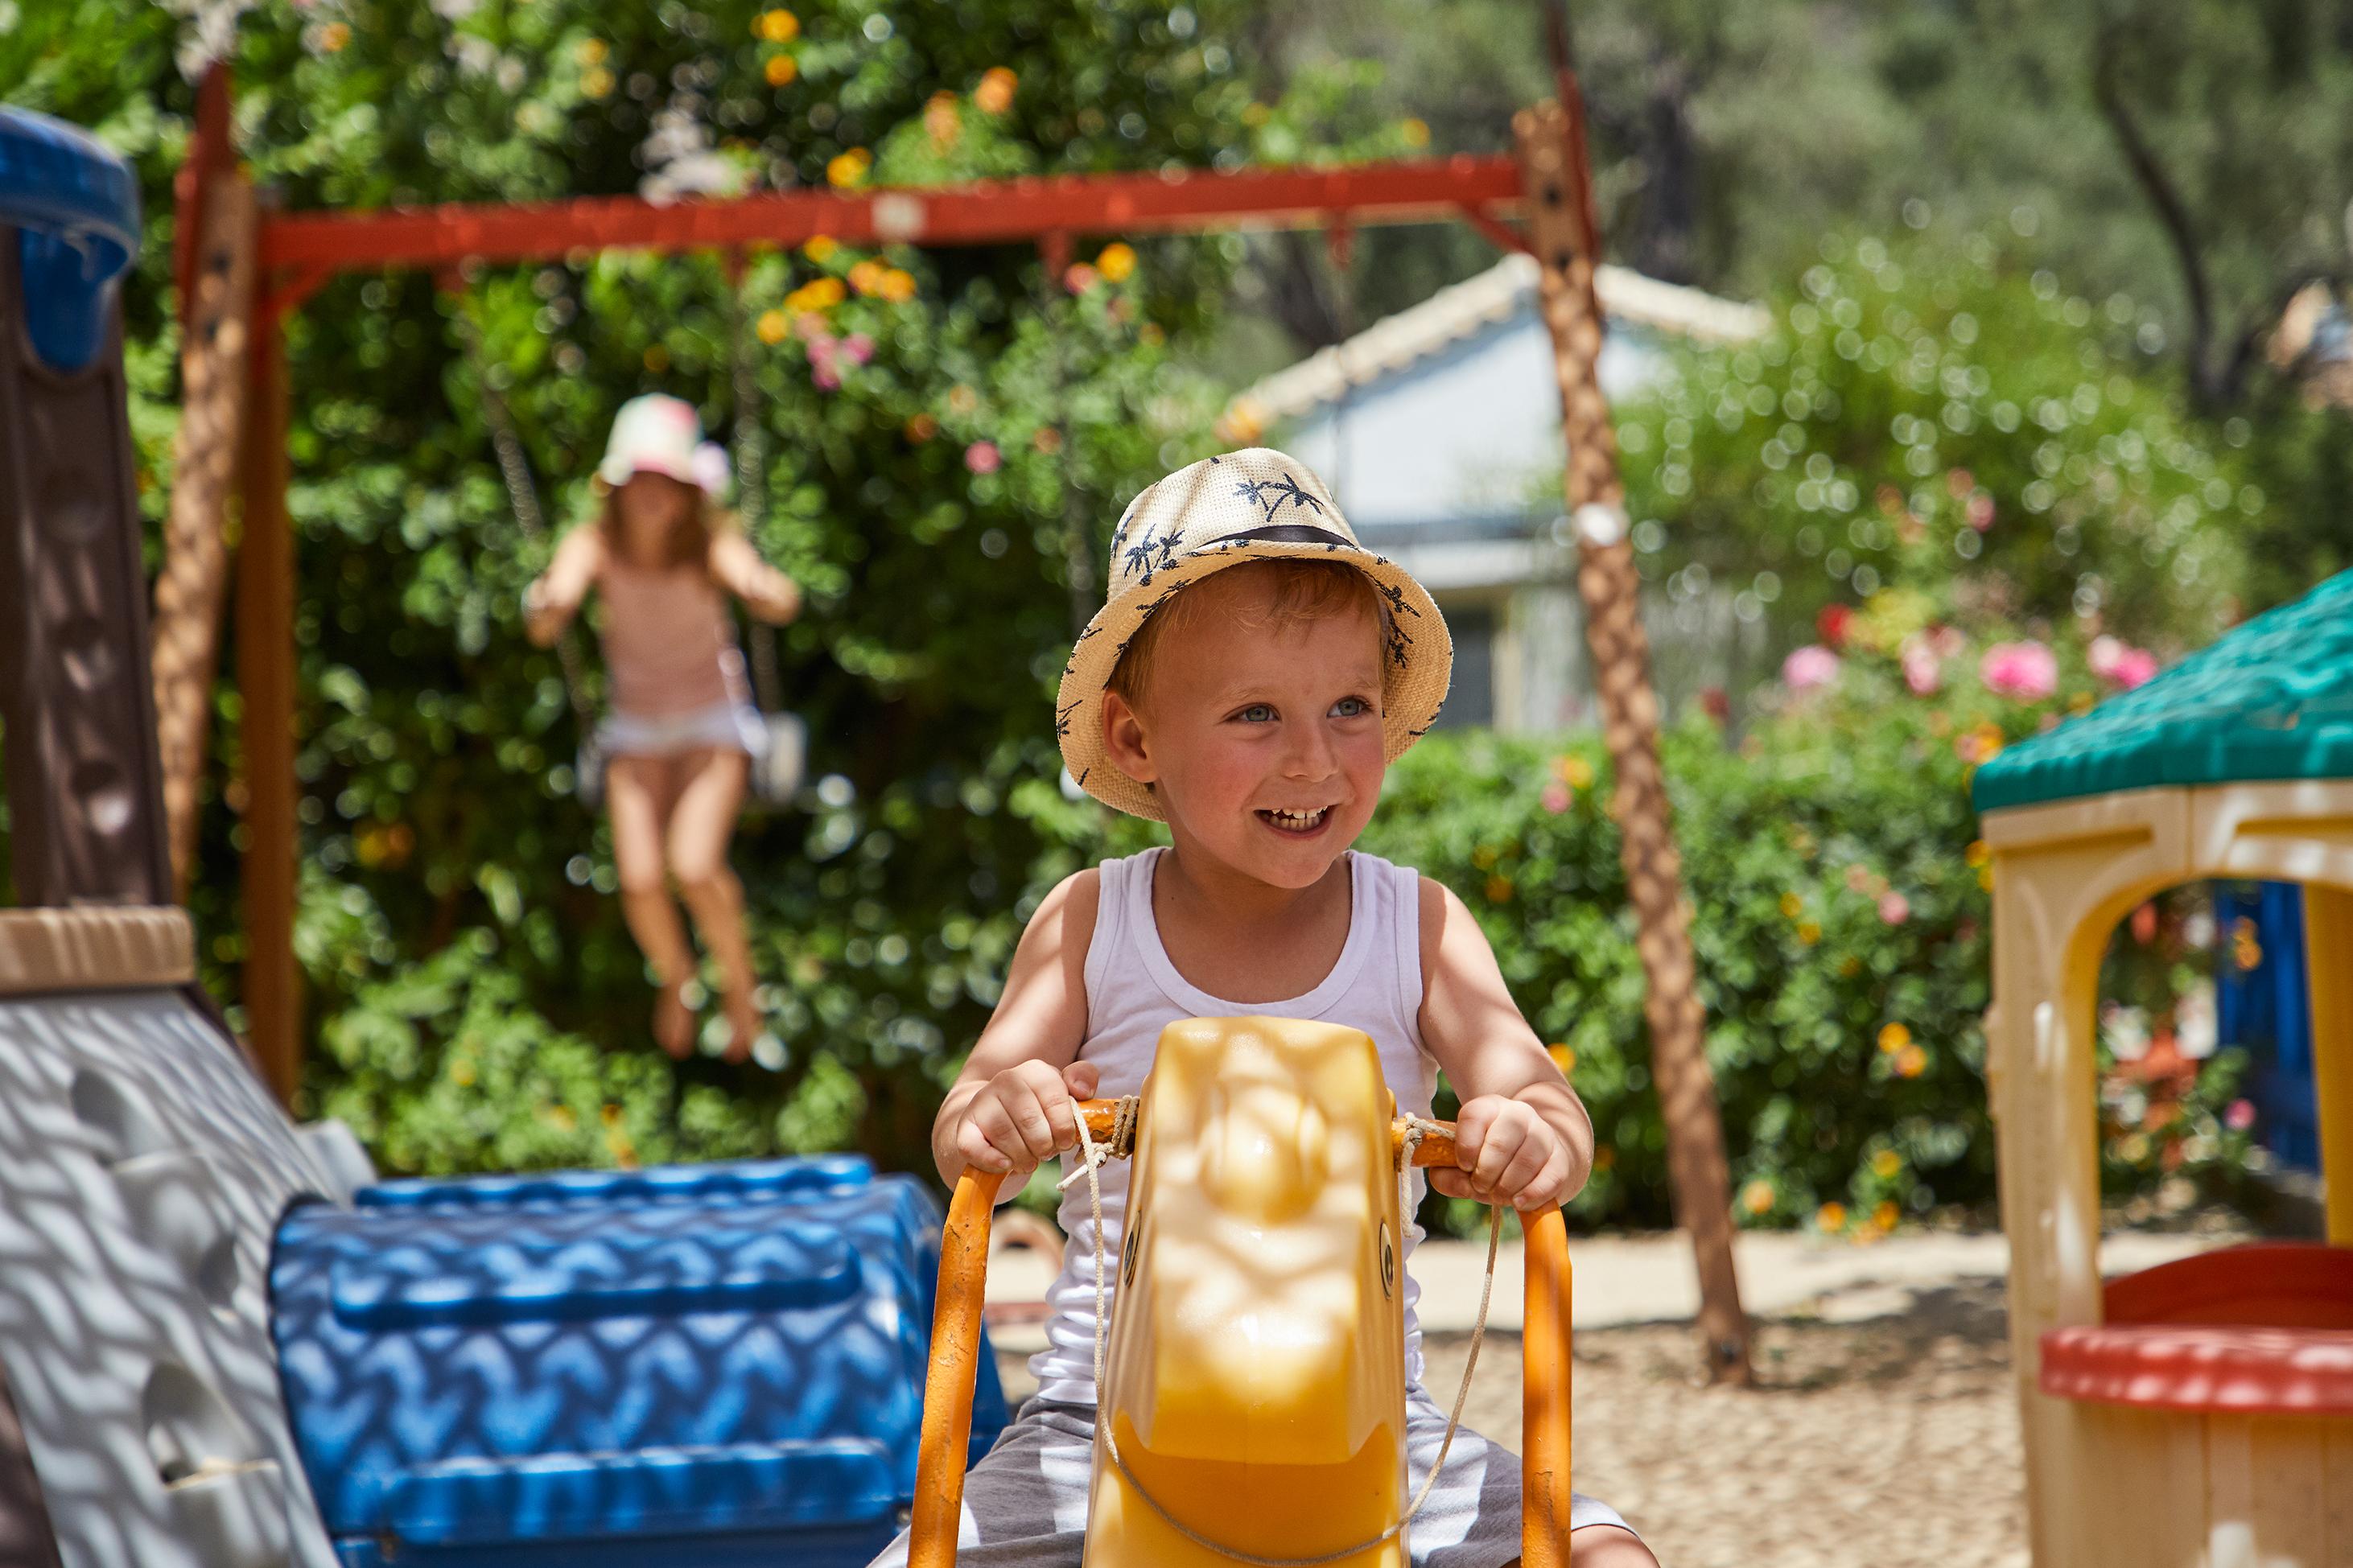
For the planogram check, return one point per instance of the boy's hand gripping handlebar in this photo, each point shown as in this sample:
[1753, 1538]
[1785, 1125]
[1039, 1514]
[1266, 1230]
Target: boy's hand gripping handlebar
[955, 1350]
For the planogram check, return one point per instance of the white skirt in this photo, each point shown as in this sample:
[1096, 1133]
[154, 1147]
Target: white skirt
[729, 726]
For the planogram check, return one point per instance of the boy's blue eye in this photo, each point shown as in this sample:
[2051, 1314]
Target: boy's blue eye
[1256, 714]
[1350, 707]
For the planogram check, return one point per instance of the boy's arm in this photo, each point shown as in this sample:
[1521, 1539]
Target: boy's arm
[1012, 1107]
[554, 597]
[765, 591]
[1522, 1136]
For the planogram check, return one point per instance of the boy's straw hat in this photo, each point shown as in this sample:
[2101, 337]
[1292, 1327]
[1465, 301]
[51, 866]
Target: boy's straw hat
[659, 435]
[1251, 505]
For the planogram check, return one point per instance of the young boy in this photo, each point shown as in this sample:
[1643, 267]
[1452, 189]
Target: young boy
[1251, 679]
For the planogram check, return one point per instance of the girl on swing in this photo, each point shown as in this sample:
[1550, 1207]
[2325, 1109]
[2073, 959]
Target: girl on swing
[682, 732]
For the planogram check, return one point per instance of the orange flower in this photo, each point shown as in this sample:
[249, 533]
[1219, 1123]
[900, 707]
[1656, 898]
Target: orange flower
[1894, 1037]
[898, 286]
[867, 276]
[849, 168]
[1911, 1061]
[1499, 888]
[1809, 932]
[1792, 906]
[1116, 263]
[595, 82]
[657, 358]
[995, 93]
[1047, 440]
[1978, 852]
[821, 247]
[1757, 1197]
[777, 27]
[332, 36]
[774, 327]
[1562, 1058]
[922, 427]
[781, 70]
[1885, 1163]
[1885, 1215]
[942, 119]
[591, 51]
[1831, 1217]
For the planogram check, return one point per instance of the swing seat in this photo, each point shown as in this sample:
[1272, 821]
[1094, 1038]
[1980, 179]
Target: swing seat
[1257, 1354]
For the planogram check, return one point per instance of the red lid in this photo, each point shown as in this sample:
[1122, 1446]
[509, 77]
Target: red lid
[2245, 1370]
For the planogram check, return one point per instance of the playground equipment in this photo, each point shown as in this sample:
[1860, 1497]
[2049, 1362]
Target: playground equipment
[288, 257]
[2201, 1412]
[1252, 1388]
[222, 1345]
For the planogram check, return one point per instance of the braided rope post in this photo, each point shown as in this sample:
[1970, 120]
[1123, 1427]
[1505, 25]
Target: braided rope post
[1607, 582]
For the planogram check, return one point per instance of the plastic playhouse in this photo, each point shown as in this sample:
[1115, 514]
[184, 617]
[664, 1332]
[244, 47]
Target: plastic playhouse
[2201, 1412]
[222, 1344]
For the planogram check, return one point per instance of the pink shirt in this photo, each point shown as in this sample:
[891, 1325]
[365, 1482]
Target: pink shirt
[670, 643]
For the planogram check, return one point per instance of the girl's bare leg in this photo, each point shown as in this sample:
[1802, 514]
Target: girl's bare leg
[701, 823]
[637, 795]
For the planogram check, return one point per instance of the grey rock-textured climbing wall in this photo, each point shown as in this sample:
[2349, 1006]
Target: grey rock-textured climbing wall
[142, 1171]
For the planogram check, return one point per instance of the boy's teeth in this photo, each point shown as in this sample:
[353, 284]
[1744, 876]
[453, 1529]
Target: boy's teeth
[1299, 818]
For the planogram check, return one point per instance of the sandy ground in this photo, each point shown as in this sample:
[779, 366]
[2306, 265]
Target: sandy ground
[1883, 1430]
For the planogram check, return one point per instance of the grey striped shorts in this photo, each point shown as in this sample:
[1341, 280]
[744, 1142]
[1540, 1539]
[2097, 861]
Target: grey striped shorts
[1025, 1504]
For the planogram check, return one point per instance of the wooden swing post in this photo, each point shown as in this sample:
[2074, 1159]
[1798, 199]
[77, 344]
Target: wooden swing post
[1564, 233]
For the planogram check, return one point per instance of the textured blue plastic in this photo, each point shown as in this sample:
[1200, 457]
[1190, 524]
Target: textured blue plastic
[75, 206]
[2270, 699]
[713, 1364]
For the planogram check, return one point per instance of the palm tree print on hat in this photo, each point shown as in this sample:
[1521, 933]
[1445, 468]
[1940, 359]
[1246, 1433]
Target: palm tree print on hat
[1395, 598]
[1139, 556]
[1271, 494]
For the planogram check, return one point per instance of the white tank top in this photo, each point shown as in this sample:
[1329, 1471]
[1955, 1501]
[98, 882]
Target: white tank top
[1134, 992]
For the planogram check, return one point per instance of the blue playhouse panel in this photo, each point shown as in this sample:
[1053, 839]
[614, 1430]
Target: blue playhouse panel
[2268, 1010]
[701, 1365]
[75, 208]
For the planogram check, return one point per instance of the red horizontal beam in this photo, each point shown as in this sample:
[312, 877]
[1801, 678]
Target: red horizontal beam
[312, 243]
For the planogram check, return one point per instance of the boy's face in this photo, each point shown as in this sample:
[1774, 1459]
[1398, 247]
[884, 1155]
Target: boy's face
[1262, 741]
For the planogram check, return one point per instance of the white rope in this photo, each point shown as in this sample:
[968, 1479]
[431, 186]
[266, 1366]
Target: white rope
[1122, 1141]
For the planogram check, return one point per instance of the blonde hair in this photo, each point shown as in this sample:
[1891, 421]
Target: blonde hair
[1297, 590]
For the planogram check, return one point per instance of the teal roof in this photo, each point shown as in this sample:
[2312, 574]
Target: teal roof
[2270, 700]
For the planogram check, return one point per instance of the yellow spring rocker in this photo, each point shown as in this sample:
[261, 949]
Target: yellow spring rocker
[2200, 1412]
[1254, 1368]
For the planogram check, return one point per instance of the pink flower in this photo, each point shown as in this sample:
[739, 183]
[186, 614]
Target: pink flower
[1556, 797]
[2026, 670]
[2120, 663]
[1981, 511]
[1924, 672]
[1078, 278]
[2240, 1116]
[982, 458]
[1895, 909]
[857, 348]
[1809, 666]
[825, 377]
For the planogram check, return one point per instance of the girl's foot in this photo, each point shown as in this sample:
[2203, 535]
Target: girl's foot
[743, 1026]
[674, 1021]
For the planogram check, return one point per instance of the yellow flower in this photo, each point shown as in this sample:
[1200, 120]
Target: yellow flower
[461, 1071]
[1980, 852]
[1792, 906]
[1894, 1037]
[1757, 1197]
[1985, 878]
[1417, 132]
[1885, 1215]
[1831, 1217]
[591, 51]
[822, 293]
[898, 286]
[561, 1117]
[595, 82]
[1911, 1061]
[777, 26]
[1809, 932]
[334, 36]
[773, 327]
[849, 168]
[1576, 773]
[995, 93]
[867, 276]
[1885, 1163]
[1116, 263]
[962, 399]
[1562, 1058]
[781, 70]
[821, 247]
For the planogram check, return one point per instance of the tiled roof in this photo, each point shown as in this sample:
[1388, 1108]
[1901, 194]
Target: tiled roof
[1463, 308]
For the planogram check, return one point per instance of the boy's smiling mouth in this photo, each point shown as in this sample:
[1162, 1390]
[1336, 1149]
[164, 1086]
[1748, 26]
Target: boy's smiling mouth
[1297, 822]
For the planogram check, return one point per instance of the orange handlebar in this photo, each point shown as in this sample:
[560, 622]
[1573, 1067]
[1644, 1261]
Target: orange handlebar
[956, 1363]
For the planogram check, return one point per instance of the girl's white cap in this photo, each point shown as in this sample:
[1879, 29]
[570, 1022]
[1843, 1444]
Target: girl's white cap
[660, 434]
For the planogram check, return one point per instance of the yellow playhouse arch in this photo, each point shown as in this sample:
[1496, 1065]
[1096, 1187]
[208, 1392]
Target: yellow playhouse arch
[2203, 1416]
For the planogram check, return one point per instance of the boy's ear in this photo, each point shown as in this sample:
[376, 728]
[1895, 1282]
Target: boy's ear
[1123, 739]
